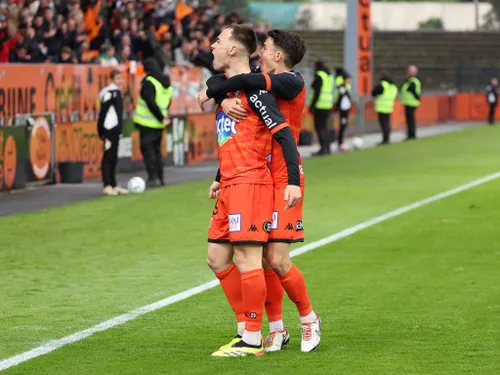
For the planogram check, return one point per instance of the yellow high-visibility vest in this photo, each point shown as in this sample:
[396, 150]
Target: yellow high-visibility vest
[143, 115]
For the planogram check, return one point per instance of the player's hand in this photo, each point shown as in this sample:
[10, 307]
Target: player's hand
[293, 195]
[202, 99]
[214, 191]
[233, 108]
[167, 121]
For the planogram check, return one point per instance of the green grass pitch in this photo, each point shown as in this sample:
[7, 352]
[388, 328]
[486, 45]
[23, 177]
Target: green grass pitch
[417, 294]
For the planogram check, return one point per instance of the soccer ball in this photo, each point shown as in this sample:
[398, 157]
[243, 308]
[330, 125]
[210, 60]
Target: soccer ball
[136, 185]
[357, 143]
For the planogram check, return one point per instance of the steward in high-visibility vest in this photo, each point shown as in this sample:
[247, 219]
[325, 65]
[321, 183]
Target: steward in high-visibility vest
[321, 105]
[322, 97]
[151, 118]
[410, 92]
[384, 95]
[410, 99]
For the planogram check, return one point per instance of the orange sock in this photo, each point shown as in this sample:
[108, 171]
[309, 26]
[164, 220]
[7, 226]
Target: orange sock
[274, 300]
[230, 281]
[295, 286]
[253, 287]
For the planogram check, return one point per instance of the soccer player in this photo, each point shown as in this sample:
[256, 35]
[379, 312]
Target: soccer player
[241, 220]
[281, 52]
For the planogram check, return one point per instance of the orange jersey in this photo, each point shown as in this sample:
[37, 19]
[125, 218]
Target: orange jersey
[292, 110]
[245, 147]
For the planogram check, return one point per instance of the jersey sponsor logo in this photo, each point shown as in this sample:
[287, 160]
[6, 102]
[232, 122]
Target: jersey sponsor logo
[274, 223]
[234, 222]
[299, 226]
[266, 226]
[263, 109]
[226, 128]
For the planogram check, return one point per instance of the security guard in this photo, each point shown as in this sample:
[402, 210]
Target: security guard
[410, 99]
[109, 128]
[151, 118]
[384, 95]
[321, 105]
[492, 98]
[343, 105]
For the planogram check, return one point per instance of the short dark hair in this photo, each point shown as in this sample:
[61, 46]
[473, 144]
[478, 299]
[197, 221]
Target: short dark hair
[245, 36]
[114, 73]
[293, 46]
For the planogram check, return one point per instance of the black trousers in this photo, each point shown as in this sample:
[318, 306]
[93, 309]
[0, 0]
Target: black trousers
[491, 114]
[321, 117]
[410, 122]
[384, 120]
[110, 159]
[150, 141]
[344, 121]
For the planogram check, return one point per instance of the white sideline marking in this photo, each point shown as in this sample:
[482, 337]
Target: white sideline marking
[104, 326]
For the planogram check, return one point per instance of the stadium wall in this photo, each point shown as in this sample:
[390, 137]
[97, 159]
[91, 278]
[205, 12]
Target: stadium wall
[61, 102]
[386, 16]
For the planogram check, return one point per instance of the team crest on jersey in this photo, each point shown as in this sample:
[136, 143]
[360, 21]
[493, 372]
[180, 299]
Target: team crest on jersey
[226, 128]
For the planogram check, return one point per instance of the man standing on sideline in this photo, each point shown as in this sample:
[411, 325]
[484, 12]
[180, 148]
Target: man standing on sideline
[109, 128]
[343, 105]
[151, 118]
[492, 97]
[410, 99]
[321, 105]
[384, 95]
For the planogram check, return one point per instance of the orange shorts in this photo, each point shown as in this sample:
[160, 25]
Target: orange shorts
[242, 215]
[286, 226]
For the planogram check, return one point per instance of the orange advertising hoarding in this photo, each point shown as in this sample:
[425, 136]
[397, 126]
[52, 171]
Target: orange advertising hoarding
[72, 91]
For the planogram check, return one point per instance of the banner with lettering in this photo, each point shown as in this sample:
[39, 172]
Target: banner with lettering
[72, 91]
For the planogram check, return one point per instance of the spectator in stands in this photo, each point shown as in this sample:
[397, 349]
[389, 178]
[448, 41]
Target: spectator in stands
[65, 57]
[108, 56]
[492, 98]
[7, 43]
[175, 32]
[384, 95]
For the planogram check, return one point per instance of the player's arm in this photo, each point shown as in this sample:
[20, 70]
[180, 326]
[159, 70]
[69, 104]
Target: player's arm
[287, 85]
[214, 81]
[264, 105]
[214, 190]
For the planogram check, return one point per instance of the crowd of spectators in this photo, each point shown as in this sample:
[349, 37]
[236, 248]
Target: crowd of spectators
[111, 32]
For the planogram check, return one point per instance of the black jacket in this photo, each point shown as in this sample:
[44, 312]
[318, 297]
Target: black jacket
[379, 89]
[492, 95]
[109, 123]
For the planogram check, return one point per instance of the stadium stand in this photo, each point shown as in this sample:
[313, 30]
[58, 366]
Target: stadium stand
[110, 32]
